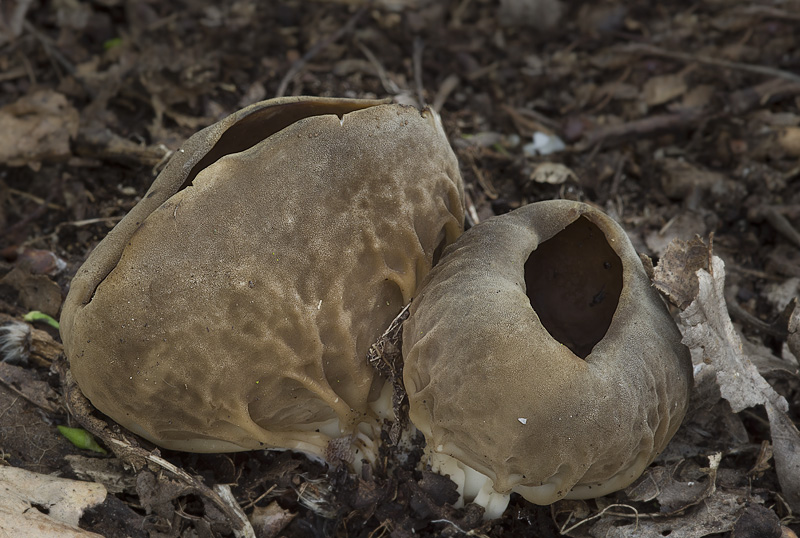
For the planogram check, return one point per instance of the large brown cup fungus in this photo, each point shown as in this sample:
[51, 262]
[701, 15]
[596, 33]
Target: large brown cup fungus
[539, 360]
[233, 307]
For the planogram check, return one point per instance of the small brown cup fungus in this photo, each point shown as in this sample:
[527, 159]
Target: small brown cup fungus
[539, 360]
[233, 307]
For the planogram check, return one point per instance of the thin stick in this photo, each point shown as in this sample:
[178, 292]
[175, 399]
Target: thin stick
[564, 530]
[782, 225]
[416, 60]
[641, 128]
[751, 68]
[34, 198]
[448, 85]
[298, 65]
[387, 83]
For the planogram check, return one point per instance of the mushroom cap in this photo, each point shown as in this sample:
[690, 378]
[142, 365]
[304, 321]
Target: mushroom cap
[538, 354]
[233, 307]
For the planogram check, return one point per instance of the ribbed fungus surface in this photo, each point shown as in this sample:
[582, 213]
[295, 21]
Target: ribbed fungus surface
[233, 307]
[539, 360]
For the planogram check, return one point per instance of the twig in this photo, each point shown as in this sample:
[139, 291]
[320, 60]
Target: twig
[252, 503]
[15, 21]
[298, 65]
[649, 126]
[246, 530]
[488, 189]
[86, 222]
[736, 311]
[708, 60]
[416, 60]
[770, 11]
[471, 214]
[471, 532]
[388, 84]
[609, 93]
[782, 225]
[129, 452]
[43, 404]
[11, 74]
[564, 530]
[458, 13]
[12, 231]
[384, 355]
[529, 120]
[621, 160]
[762, 94]
[34, 198]
[52, 49]
[448, 85]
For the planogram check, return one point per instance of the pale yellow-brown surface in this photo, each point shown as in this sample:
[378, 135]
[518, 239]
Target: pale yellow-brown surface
[233, 307]
[488, 383]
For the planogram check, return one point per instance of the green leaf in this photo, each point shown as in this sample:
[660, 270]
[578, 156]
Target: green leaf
[81, 439]
[35, 315]
[113, 42]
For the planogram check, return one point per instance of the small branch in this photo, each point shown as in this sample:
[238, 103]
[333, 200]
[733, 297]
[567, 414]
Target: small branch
[649, 126]
[416, 60]
[769, 11]
[298, 65]
[644, 48]
[128, 450]
[13, 25]
[447, 87]
[388, 84]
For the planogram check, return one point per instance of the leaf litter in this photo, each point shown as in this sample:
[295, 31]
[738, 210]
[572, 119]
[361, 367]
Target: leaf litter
[677, 120]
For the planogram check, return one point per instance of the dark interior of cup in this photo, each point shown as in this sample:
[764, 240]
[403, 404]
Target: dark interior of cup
[263, 123]
[574, 281]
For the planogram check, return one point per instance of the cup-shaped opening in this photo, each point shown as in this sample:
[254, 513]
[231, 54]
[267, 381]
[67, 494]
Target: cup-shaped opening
[265, 122]
[574, 281]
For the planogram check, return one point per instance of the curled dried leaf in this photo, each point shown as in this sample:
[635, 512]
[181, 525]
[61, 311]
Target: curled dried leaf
[675, 274]
[706, 326]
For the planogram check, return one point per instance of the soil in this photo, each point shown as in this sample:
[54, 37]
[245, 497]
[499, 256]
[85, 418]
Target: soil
[677, 119]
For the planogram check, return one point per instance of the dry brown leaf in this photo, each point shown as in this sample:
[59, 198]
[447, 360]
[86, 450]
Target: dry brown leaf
[34, 292]
[717, 514]
[663, 88]
[785, 443]
[107, 471]
[685, 225]
[707, 326]
[675, 274]
[699, 96]
[27, 384]
[270, 520]
[757, 520]
[780, 294]
[540, 14]
[674, 495]
[552, 173]
[33, 504]
[679, 178]
[789, 140]
[37, 127]
[794, 333]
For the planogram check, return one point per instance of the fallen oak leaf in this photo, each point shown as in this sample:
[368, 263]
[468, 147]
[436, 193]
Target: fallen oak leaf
[706, 326]
[37, 127]
[793, 340]
[675, 275]
[786, 453]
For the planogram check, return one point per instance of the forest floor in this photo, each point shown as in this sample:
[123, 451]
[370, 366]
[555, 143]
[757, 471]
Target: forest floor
[676, 118]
